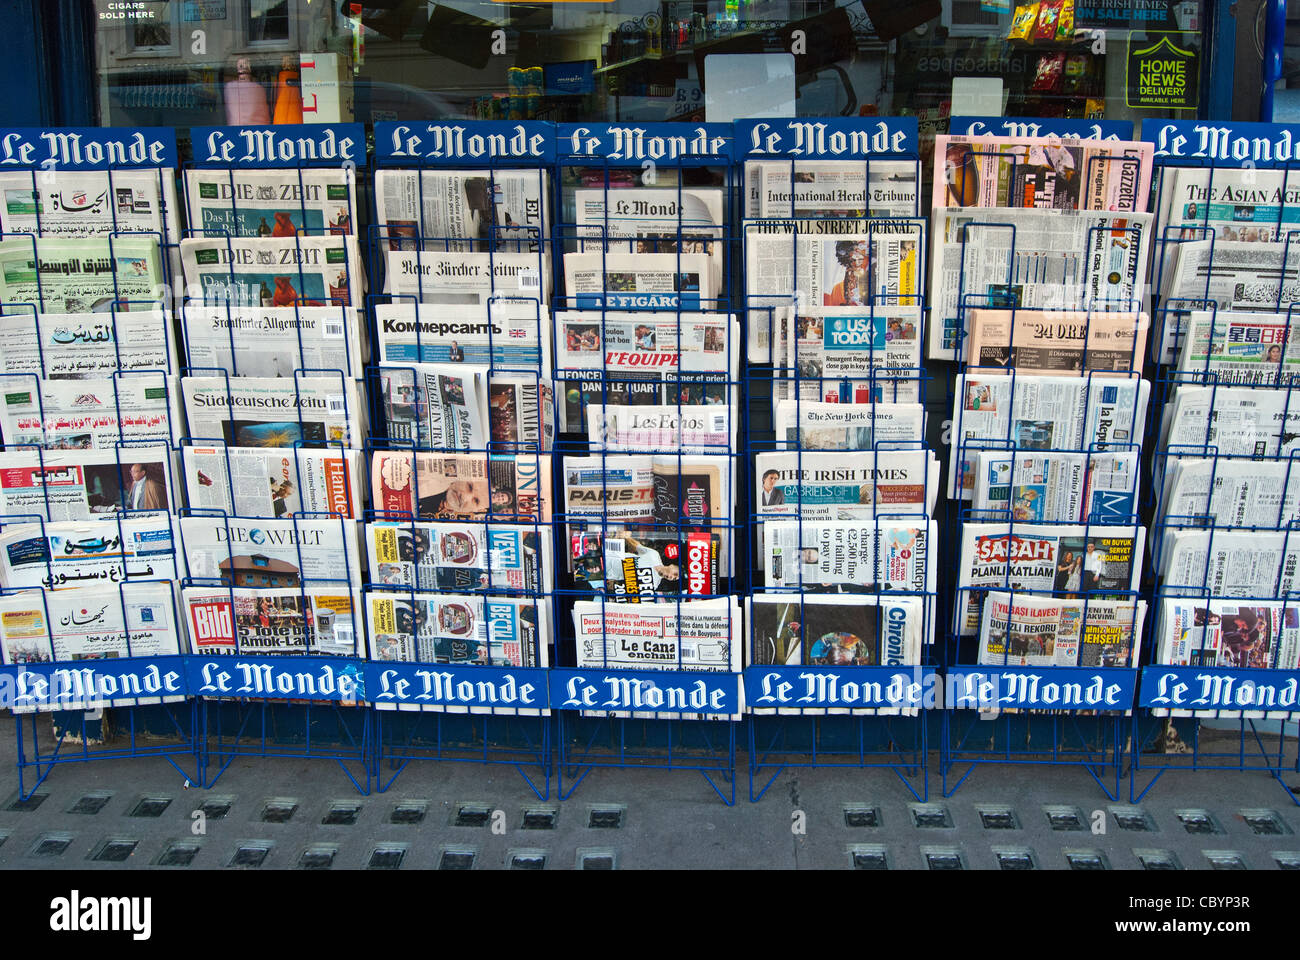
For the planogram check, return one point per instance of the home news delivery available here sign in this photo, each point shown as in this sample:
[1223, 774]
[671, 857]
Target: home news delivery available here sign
[1162, 75]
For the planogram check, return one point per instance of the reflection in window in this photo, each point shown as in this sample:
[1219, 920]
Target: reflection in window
[152, 33]
[267, 20]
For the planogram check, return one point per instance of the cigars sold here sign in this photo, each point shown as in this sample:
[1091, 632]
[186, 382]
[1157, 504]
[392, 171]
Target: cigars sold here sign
[1162, 75]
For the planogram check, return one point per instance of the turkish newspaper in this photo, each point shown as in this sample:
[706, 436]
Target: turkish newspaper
[1240, 349]
[258, 341]
[690, 428]
[852, 354]
[661, 281]
[829, 486]
[270, 483]
[651, 358]
[82, 484]
[1066, 341]
[60, 275]
[1067, 560]
[1043, 173]
[694, 635]
[75, 203]
[470, 279]
[324, 621]
[1231, 493]
[506, 334]
[459, 556]
[435, 406]
[833, 631]
[273, 271]
[274, 411]
[645, 566]
[1026, 631]
[272, 553]
[1228, 563]
[312, 201]
[1029, 487]
[831, 188]
[813, 425]
[436, 208]
[435, 486]
[993, 411]
[75, 554]
[1232, 421]
[1034, 259]
[89, 414]
[83, 346]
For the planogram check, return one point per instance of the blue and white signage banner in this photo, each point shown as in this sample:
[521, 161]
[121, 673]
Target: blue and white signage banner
[611, 300]
[87, 148]
[289, 145]
[1213, 142]
[906, 688]
[635, 143]
[88, 683]
[456, 685]
[1039, 688]
[1219, 688]
[456, 143]
[662, 691]
[276, 677]
[837, 138]
[1041, 127]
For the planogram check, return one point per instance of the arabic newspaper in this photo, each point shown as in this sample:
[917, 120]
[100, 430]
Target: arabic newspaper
[1249, 349]
[83, 346]
[299, 620]
[1226, 563]
[459, 556]
[647, 358]
[838, 631]
[511, 488]
[690, 428]
[1068, 341]
[1043, 173]
[1028, 487]
[81, 484]
[269, 483]
[831, 188]
[695, 635]
[435, 208]
[1232, 493]
[1035, 259]
[660, 281]
[271, 203]
[272, 553]
[89, 414]
[473, 279]
[1235, 421]
[81, 276]
[75, 203]
[434, 406]
[76, 554]
[273, 341]
[811, 425]
[273, 271]
[992, 411]
[645, 566]
[510, 334]
[828, 486]
[274, 411]
[1082, 560]
[853, 355]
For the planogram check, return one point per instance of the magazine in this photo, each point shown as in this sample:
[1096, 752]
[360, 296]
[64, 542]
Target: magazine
[296, 271]
[1068, 341]
[255, 341]
[505, 209]
[831, 188]
[830, 486]
[503, 488]
[272, 553]
[84, 346]
[1029, 487]
[74, 554]
[312, 201]
[274, 411]
[655, 281]
[97, 414]
[82, 276]
[83, 484]
[811, 425]
[323, 621]
[269, 483]
[646, 565]
[459, 557]
[433, 406]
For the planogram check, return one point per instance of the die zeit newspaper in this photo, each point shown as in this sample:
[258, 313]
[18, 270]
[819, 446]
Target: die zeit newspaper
[301, 271]
[271, 203]
[1066, 560]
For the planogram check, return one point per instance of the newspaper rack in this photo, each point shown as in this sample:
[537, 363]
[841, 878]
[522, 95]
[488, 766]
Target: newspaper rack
[828, 707]
[619, 702]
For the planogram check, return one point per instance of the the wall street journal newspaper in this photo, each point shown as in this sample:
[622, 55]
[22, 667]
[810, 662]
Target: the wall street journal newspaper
[269, 483]
[829, 486]
[254, 622]
[1068, 560]
[1066, 341]
[1229, 563]
[312, 201]
[301, 271]
[690, 428]
[853, 354]
[89, 414]
[1052, 174]
[469, 279]
[82, 346]
[1234, 421]
[995, 411]
[831, 188]
[434, 406]
[811, 425]
[658, 281]
[274, 411]
[83, 484]
[465, 486]
[512, 334]
[89, 203]
[431, 209]
[254, 341]
[459, 556]
[1232, 493]
[1035, 259]
[1246, 349]
[60, 275]
[1029, 487]
[648, 565]
[75, 554]
[272, 553]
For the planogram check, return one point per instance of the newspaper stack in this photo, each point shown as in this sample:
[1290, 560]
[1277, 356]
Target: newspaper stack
[1023, 630]
[269, 483]
[93, 414]
[508, 334]
[271, 203]
[293, 271]
[436, 486]
[1239, 349]
[323, 621]
[1061, 341]
[314, 411]
[79, 554]
[834, 189]
[1033, 487]
[1230, 421]
[459, 557]
[463, 210]
[829, 486]
[271, 553]
[87, 484]
[58, 275]
[73, 203]
[645, 566]
[84, 346]
[1229, 492]
[266, 341]
[477, 279]
[1229, 563]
